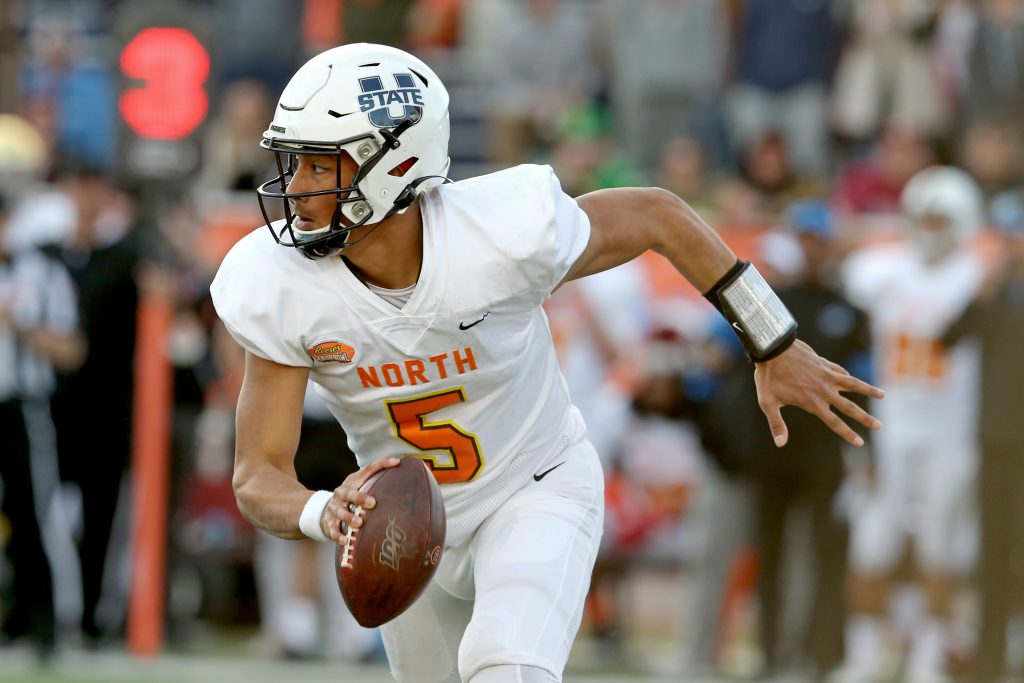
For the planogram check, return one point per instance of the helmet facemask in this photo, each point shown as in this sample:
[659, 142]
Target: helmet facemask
[330, 239]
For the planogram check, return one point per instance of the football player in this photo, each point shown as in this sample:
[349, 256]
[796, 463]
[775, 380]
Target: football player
[925, 460]
[414, 304]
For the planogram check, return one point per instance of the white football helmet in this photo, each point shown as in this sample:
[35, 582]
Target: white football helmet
[946, 193]
[382, 107]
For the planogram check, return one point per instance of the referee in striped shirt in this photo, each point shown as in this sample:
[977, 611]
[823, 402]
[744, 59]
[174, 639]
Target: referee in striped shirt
[38, 332]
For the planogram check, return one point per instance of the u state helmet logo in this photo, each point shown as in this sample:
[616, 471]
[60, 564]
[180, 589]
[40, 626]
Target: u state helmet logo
[388, 108]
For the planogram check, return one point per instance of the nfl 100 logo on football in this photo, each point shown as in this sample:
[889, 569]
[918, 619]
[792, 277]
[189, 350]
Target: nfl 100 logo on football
[395, 547]
[380, 104]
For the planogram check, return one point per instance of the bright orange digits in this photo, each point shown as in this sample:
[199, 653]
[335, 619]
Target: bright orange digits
[173, 66]
[916, 357]
[407, 415]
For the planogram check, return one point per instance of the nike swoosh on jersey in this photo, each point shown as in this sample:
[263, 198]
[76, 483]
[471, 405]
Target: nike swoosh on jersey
[538, 477]
[464, 326]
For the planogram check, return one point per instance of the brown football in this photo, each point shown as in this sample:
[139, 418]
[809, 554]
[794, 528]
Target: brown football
[383, 566]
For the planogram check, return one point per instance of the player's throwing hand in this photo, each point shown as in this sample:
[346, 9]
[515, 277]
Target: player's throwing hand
[340, 508]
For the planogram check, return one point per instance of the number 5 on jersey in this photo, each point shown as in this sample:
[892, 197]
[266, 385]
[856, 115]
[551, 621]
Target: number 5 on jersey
[408, 417]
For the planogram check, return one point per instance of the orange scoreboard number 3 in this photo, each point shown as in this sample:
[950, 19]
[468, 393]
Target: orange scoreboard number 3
[170, 100]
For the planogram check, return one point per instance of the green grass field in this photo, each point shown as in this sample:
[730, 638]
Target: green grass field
[118, 668]
[78, 667]
[218, 655]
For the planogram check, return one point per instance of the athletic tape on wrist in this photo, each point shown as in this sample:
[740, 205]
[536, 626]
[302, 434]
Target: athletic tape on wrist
[760, 320]
[309, 520]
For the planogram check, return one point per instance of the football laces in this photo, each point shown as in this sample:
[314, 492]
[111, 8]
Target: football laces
[348, 548]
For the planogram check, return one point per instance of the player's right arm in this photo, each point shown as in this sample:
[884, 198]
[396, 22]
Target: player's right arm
[268, 424]
[267, 427]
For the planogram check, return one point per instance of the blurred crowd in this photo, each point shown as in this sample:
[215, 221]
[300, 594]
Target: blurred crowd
[866, 155]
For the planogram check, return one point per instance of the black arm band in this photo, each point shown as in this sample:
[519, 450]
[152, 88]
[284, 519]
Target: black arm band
[762, 322]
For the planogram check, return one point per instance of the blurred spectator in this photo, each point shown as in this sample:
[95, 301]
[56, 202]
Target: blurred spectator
[434, 24]
[873, 185]
[541, 74]
[416, 25]
[70, 92]
[723, 504]
[37, 332]
[666, 62]
[996, 319]
[648, 482]
[955, 30]
[731, 429]
[886, 76]
[993, 153]
[682, 171]
[255, 39]
[587, 158]
[213, 542]
[662, 453]
[321, 25]
[233, 159]
[805, 475]
[996, 65]
[481, 24]
[738, 206]
[784, 54]
[94, 437]
[599, 325]
[922, 487]
[201, 422]
[376, 21]
[765, 164]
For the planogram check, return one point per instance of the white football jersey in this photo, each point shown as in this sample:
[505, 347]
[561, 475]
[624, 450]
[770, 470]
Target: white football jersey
[464, 375]
[911, 304]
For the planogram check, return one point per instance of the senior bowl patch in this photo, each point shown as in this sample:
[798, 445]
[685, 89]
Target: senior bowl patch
[332, 350]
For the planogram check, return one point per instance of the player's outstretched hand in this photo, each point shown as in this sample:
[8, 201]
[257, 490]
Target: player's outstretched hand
[338, 510]
[800, 377]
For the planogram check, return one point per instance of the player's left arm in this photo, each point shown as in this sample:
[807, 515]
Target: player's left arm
[626, 222]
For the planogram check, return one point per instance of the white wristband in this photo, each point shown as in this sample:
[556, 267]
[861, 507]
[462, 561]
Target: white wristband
[309, 520]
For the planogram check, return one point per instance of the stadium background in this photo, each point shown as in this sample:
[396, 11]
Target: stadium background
[145, 117]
